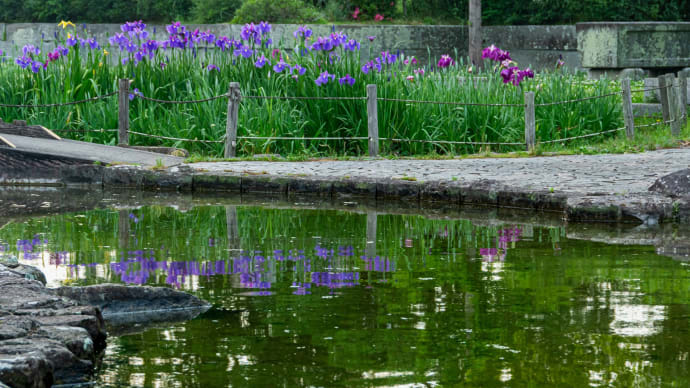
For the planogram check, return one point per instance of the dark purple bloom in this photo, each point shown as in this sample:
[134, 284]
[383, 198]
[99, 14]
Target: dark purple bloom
[162, 65]
[494, 53]
[71, 40]
[132, 95]
[322, 44]
[93, 45]
[212, 67]
[250, 33]
[299, 69]
[351, 45]
[150, 46]
[347, 80]
[302, 32]
[36, 66]
[324, 78]
[244, 51]
[445, 61]
[29, 50]
[261, 62]
[280, 66]
[62, 50]
[371, 38]
[23, 62]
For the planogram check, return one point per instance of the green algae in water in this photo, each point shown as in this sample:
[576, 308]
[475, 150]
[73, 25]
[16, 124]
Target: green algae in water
[330, 298]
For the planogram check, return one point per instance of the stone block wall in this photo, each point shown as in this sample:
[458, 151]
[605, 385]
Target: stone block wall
[538, 46]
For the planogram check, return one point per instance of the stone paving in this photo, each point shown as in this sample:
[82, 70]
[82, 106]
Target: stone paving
[577, 174]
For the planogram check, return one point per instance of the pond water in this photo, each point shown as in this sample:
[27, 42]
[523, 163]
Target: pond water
[338, 298]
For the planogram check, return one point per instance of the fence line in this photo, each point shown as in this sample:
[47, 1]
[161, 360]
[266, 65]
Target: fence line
[175, 138]
[180, 102]
[60, 103]
[300, 138]
[578, 99]
[670, 107]
[581, 136]
[302, 98]
[449, 142]
[446, 102]
[85, 130]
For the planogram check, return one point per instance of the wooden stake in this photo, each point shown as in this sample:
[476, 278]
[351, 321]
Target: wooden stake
[123, 111]
[628, 109]
[373, 120]
[475, 30]
[530, 122]
[231, 125]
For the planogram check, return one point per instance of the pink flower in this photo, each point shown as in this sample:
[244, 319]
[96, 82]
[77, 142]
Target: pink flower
[378, 17]
[355, 14]
[410, 78]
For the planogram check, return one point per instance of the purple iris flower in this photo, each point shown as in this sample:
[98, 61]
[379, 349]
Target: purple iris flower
[244, 51]
[135, 29]
[250, 33]
[322, 44]
[36, 66]
[175, 28]
[261, 62]
[150, 45]
[280, 66]
[299, 69]
[30, 49]
[264, 28]
[347, 80]
[53, 56]
[162, 65]
[62, 50]
[371, 38]
[494, 53]
[323, 78]
[23, 62]
[445, 61]
[302, 32]
[388, 57]
[212, 67]
[93, 44]
[351, 45]
[139, 56]
[71, 41]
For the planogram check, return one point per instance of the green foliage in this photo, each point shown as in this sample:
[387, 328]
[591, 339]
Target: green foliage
[93, 11]
[285, 11]
[215, 11]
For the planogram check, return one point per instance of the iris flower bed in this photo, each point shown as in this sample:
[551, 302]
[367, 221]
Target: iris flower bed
[192, 64]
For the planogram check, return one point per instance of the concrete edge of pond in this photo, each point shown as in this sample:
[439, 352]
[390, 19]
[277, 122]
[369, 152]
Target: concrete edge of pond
[634, 207]
[56, 336]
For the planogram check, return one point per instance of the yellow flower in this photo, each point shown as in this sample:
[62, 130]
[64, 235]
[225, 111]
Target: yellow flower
[105, 52]
[65, 24]
[100, 64]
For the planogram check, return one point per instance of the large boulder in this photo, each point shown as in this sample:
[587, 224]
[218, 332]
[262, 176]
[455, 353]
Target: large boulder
[675, 185]
[45, 338]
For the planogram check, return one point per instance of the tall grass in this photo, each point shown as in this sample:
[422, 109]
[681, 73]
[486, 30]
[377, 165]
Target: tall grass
[85, 73]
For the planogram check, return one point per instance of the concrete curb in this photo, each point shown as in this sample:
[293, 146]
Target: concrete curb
[647, 208]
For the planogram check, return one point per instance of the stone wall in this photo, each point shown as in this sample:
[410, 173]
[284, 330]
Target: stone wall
[539, 46]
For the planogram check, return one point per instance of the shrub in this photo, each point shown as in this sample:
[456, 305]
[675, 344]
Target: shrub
[285, 11]
[215, 11]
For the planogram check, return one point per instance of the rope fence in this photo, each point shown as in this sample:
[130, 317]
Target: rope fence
[671, 101]
[60, 103]
[446, 102]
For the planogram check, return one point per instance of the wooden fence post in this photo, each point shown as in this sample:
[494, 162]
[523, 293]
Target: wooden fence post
[123, 111]
[475, 33]
[674, 102]
[370, 249]
[628, 117]
[683, 79]
[373, 120]
[530, 122]
[663, 97]
[234, 98]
